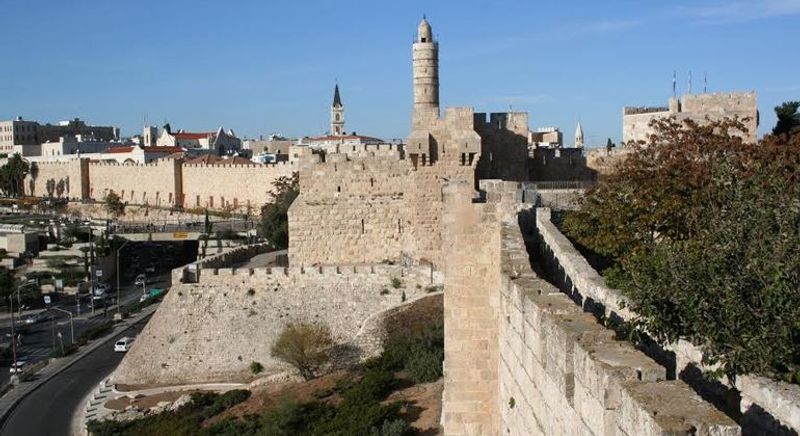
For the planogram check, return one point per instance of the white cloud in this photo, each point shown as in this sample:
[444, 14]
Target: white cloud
[731, 11]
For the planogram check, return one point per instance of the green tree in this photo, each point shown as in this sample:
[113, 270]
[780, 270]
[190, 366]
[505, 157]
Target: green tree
[12, 175]
[788, 118]
[114, 205]
[703, 232]
[274, 225]
[304, 346]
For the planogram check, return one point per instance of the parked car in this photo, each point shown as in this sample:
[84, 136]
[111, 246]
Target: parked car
[123, 344]
[18, 367]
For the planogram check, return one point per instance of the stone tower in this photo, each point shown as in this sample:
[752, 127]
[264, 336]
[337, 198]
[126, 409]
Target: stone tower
[337, 114]
[579, 136]
[425, 57]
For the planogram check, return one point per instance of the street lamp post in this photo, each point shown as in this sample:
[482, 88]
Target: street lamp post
[118, 274]
[11, 309]
[71, 325]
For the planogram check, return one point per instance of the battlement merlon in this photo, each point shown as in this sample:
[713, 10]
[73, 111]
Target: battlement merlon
[637, 110]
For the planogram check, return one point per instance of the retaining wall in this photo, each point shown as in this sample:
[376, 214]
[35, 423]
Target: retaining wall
[213, 329]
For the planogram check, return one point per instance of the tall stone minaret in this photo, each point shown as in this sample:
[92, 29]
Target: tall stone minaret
[425, 58]
[337, 114]
[579, 136]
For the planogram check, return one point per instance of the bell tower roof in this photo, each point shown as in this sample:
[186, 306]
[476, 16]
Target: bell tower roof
[337, 100]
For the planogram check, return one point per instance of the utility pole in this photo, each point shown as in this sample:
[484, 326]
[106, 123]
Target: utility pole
[71, 325]
[119, 302]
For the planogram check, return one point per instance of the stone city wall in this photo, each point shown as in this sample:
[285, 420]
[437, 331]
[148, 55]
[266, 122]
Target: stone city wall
[766, 406]
[163, 183]
[185, 341]
[369, 209]
[522, 359]
[231, 187]
[560, 164]
[351, 210]
[157, 183]
[73, 174]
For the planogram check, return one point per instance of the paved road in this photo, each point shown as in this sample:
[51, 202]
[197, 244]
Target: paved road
[37, 340]
[49, 409]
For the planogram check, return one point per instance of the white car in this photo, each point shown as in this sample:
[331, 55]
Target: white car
[123, 345]
[17, 367]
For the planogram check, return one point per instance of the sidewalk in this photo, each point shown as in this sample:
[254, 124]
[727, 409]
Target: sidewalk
[11, 399]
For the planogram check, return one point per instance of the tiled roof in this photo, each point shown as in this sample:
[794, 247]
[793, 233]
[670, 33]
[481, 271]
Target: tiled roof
[187, 135]
[119, 149]
[204, 159]
[164, 149]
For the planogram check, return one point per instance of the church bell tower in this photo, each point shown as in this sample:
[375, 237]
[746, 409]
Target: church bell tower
[337, 114]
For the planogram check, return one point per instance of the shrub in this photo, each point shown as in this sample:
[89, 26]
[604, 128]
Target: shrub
[304, 346]
[425, 364]
[256, 367]
[397, 283]
[251, 292]
[702, 235]
[384, 291]
[392, 427]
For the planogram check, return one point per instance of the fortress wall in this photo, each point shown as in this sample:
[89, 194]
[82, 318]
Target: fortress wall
[504, 146]
[699, 108]
[426, 205]
[231, 187]
[636, 127]
[157, 183]
[549, 164]
[185, 341]
[352, 211]
[522, 359]
[370, 209]
[73, 173]
[767, 407]
[351, 231]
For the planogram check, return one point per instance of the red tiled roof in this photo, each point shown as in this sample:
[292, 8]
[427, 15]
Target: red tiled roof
[204, 159]
[164, 149]
[187, 135]
[119, 149]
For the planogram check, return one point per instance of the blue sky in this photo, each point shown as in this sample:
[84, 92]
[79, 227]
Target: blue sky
[261, 67]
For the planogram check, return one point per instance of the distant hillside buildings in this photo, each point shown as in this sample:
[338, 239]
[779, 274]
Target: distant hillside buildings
[18, 136]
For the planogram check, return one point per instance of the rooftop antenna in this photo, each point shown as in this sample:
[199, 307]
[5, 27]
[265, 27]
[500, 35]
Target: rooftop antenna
[705, 82]
[690, 81]
[674, 82]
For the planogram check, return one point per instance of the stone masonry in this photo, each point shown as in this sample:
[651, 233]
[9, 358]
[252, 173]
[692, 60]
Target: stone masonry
[522, 359]
[185, 341]
[163, 183]
[697, 107]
